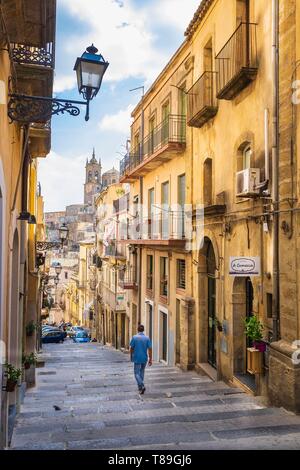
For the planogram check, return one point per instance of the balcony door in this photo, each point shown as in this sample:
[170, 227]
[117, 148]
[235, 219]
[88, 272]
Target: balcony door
[151, 214]
[151, 144]
[211, 303]
[165, 122]
[165, 210]
[180, 228]
[163, 325]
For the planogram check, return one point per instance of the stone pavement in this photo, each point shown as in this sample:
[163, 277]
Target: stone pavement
[100, 408]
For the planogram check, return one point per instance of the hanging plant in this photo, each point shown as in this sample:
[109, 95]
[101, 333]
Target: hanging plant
[13, 374]
[29, 360]
[30, 328]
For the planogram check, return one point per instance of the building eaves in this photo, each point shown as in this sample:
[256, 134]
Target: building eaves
[198, 17]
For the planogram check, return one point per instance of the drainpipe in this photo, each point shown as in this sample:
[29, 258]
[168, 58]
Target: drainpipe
[275, 172]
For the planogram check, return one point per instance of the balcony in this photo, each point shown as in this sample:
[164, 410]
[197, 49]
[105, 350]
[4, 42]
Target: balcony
[114, 299]
[32, 55]
[113, 250]
[128, 279]
[202, 102]
[166, 228]
[165, 141]
[237, 63]
[30, 27]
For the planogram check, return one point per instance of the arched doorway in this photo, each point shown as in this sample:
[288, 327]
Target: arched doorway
[242, 303]
[211, 303]
[207, 267]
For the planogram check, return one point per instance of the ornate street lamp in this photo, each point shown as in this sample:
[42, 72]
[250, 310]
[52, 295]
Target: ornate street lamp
[58, 269]
[63, 234]
[90, 68]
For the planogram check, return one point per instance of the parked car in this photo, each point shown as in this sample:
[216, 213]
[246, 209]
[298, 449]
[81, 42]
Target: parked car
[74, 330]
[81, 337]
[53, 336]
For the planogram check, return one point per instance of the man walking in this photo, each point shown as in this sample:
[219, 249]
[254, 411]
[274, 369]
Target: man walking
[140, 347]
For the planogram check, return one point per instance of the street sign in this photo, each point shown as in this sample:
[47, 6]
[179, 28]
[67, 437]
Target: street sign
[240, 266]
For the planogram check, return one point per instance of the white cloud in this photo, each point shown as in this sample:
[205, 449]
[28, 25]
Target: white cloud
[119, 122]
[125, 35]
[64, 83]
[177, 13]
[62, 180]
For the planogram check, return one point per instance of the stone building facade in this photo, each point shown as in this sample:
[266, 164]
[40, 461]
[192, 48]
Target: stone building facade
[26, 67]
[236, 148]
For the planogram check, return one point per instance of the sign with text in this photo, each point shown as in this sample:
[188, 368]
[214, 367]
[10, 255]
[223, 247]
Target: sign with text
[244, 266]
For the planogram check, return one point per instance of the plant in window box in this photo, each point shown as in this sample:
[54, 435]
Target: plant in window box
[29, 360]
[13, 374]
[31, 327]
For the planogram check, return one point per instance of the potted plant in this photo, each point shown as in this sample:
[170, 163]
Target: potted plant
[29, 360]
[13, 374]
[254, 331]
[30, 328]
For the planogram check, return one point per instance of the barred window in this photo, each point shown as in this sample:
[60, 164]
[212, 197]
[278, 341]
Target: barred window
[180, 274]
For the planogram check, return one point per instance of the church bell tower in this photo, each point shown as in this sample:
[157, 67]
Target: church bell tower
[92, 179]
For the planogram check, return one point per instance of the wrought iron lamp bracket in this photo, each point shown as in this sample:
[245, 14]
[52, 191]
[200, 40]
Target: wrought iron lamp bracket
[38, 109]
[45, 246]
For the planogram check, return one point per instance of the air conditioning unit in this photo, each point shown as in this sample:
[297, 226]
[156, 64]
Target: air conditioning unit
[247, 182]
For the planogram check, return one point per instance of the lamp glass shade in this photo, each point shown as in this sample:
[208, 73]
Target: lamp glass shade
[63, 232]
[90, 69]
[58, 269]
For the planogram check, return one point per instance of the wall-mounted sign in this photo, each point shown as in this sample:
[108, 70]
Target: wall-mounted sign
[244, 266]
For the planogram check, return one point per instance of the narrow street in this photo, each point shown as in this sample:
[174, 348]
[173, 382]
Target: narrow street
[99, 406]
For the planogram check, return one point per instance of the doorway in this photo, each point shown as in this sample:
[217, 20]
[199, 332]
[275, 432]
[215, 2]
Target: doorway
[178, 331]
[242, 301]
[211, 302]
[163, 320]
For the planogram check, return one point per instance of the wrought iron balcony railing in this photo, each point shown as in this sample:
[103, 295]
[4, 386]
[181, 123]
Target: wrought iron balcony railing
[171, 131]
[32, 55]
[202, 101]
[128, 279]
[237, 62]
[166, 225]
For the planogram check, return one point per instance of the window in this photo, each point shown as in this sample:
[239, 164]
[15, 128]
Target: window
[247, 157]
[66, 275]
[207, 182]
[164, 276]
[180, 279]
[150, 272]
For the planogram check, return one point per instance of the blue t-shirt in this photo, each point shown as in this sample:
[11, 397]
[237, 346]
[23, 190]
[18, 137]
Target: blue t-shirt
[140, 343]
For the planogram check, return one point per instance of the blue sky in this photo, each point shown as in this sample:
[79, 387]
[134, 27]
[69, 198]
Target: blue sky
[137, 38]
